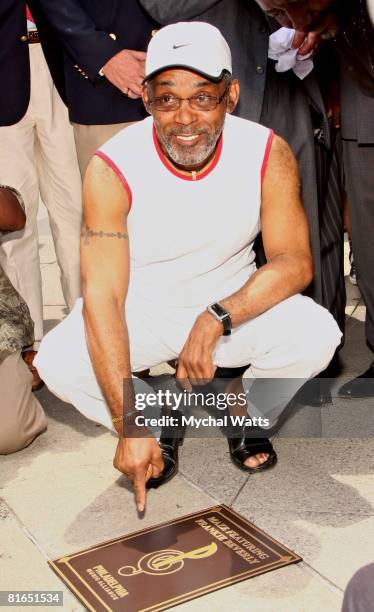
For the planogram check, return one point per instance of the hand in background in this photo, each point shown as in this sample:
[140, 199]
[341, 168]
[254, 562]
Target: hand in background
[125, 70]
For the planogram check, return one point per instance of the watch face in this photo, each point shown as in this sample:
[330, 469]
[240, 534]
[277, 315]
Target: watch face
[218, 310]
[221, 315]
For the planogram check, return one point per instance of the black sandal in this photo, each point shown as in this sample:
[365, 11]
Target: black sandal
[241, 448]
[169, 442]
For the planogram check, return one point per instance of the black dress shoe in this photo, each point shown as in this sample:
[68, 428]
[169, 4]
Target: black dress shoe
[360, 387]
[170, 440]
[315, 393]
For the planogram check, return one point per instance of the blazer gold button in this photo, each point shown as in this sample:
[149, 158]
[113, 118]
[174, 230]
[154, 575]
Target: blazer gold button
[24, 38]
[113, 35]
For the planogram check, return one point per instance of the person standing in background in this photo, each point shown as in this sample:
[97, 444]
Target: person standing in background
[103, 46]
[357, 118]
[351, 25]
[38, 158]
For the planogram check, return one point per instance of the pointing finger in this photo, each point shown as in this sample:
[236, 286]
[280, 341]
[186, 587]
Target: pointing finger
[140, 491]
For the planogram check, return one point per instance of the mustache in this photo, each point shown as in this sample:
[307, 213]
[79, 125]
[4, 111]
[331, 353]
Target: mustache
[184, 132]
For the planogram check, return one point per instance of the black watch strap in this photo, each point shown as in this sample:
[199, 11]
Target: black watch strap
[221, 314]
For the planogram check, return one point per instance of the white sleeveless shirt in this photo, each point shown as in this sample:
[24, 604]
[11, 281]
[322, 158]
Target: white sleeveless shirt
[191, 241]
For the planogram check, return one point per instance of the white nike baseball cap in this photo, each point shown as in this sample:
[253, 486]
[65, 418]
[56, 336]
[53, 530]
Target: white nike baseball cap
[195, 45]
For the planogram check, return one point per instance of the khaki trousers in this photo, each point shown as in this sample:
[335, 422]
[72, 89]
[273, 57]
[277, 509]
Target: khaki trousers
[38, 157]
[21, 416]
[88, 138]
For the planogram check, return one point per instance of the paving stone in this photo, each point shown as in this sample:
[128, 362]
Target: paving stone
[290, 589]
[333, 545]
[348, 419]
[24, 568]
[309, 477]
[67, 493]
[206, 463]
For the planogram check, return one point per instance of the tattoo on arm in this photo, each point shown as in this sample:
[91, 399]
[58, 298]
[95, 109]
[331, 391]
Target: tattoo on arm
[88, 233]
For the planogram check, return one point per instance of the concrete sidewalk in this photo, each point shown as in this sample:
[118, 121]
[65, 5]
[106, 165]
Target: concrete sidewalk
[62, 494]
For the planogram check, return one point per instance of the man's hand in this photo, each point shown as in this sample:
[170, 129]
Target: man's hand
[308, 42]
[125, 70]
[305, 42]
[195, 360]
[140, 459]
[12, 216]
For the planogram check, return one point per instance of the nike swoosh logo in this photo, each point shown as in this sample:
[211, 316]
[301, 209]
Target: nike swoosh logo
[179, 46]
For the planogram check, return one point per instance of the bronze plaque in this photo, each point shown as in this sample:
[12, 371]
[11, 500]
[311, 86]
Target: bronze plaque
[162, 566]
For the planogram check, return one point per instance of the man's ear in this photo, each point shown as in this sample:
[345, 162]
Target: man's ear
[145, 97]
[233, 95]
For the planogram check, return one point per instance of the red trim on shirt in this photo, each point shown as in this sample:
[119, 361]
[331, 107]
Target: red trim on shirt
[118, 172]
[29, 15]
[266, 155]
[179, 174]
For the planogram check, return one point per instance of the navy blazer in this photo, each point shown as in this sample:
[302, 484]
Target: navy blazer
[91, 32]
[14, 61]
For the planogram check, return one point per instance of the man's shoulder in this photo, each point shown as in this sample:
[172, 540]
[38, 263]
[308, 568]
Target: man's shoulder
[245, 132]
[240, 124]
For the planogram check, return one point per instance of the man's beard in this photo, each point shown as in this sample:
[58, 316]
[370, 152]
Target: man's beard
[189, 156]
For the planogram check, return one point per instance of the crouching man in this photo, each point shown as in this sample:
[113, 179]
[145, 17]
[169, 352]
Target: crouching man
[172, 207]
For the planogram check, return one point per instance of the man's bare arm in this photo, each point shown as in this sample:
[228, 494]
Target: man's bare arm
[105, 274]
[285, 235]
[288, 269]
[105, 265]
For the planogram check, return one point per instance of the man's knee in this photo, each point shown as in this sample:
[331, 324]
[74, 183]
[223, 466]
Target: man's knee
[13, 436]
[22, 417]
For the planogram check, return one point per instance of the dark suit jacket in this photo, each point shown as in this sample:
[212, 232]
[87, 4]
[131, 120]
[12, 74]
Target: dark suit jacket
[14, 60]
[357, 110]
[83, 28]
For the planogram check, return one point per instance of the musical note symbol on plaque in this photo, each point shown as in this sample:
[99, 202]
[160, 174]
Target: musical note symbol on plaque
[166, 561]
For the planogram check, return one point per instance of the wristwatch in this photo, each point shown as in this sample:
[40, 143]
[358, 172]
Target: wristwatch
[221, 315]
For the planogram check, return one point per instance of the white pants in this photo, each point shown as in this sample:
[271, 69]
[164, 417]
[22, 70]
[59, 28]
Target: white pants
[294, 340]
[38, 156]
